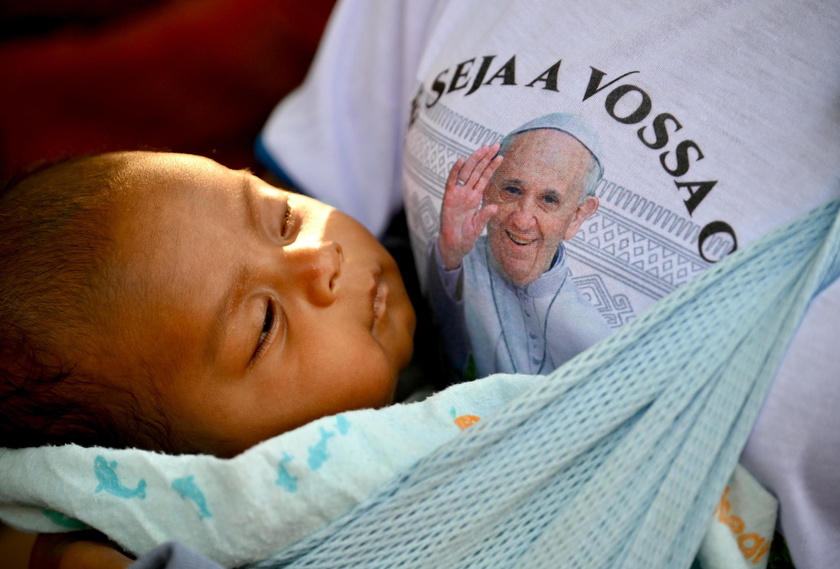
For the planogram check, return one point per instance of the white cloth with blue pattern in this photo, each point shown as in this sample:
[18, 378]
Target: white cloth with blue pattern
[616, 459]
[245, 508]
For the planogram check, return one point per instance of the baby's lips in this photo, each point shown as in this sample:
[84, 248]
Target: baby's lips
[381, 292]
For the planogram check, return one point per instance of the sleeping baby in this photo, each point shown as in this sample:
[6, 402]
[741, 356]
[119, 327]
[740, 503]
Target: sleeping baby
[165, 302]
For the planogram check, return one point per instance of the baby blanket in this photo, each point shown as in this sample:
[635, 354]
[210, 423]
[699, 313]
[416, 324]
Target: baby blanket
[617, 459]
[283, 489]
[246, 508]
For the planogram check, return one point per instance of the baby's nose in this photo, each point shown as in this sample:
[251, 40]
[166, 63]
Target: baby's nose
[319, 268]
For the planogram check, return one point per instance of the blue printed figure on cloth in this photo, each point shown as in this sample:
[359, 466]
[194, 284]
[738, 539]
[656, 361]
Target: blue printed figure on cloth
[284, 477]
[318, 454]
[189, 490]
[60, 519]
[342, 424]
[109, 481]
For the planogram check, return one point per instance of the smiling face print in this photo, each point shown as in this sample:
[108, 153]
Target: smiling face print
[538, 190]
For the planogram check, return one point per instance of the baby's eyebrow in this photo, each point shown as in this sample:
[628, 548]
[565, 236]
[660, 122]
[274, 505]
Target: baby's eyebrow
[239, 285]
[226, 306]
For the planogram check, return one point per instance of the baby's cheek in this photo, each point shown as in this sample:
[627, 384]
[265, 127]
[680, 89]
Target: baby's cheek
[379, 377]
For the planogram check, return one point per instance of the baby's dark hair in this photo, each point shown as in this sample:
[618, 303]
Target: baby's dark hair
[54, 245]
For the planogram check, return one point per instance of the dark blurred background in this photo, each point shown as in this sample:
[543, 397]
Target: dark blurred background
[198, 76]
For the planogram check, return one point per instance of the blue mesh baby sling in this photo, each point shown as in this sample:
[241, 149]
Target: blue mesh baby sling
[617, 458]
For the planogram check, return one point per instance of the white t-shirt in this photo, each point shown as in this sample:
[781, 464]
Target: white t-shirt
[717, 122]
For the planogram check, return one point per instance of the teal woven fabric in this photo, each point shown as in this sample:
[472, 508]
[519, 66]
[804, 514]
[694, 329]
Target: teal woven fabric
[616, 459]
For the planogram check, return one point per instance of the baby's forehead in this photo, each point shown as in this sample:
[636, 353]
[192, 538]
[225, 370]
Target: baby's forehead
[153, 168]
[158, 183]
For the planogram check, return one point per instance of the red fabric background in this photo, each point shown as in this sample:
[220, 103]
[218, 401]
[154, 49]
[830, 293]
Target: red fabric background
[196, 76]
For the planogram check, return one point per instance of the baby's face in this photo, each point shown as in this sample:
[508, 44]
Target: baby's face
[255, 310]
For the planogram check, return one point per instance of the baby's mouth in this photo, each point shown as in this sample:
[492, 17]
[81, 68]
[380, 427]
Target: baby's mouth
[380, 294]
[522, 242]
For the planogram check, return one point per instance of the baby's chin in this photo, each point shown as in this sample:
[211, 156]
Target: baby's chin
[408, 325]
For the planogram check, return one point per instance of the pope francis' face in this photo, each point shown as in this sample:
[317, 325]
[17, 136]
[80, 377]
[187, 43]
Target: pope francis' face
[539, 190]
